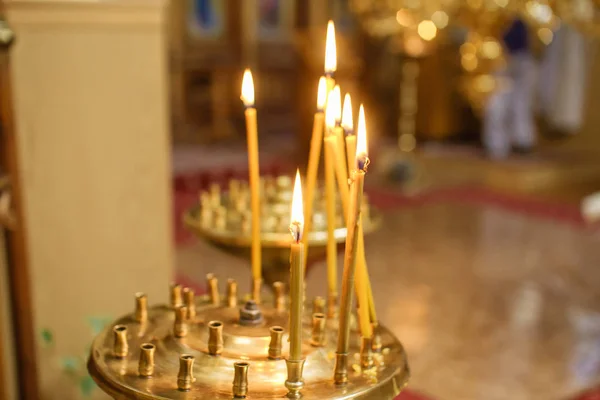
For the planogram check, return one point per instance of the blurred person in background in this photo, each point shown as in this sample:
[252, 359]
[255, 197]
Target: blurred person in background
[563, 79]
[508, 124]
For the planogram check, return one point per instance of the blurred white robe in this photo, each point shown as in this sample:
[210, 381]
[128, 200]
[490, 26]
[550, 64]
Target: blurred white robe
[563, 79]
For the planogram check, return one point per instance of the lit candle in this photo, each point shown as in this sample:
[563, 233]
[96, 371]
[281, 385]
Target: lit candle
[330, 56]
[330, 206]
[313, 159]
[253, 169]
[341, 169]
[350, 254]
[362, 276]
[363, 282]
[296, 272]
[348, 126]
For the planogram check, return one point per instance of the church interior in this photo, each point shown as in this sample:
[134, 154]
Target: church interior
[320, 199]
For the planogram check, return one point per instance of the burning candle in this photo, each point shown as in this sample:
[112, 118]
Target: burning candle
[341, 170]
[330, 205]
[363, 284]
[348, 126]
[313, 158]
[330, 56]
[350, 254]
[296, 272]
[253, 168]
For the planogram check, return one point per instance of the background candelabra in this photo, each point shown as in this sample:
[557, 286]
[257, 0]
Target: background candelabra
[223, 218]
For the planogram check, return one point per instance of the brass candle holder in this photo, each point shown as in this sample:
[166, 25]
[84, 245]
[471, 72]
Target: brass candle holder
[222, 217]
[236, 352]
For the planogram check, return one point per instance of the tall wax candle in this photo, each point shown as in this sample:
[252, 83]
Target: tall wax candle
[333, 140]
[330, 205]
[313, 160]
[339, 135]
[296, 273]
[350, 258]
[363, 280]
[348, 126]
[360, 282]
[253, 168]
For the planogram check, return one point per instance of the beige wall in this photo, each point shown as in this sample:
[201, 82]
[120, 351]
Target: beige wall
[90, 86]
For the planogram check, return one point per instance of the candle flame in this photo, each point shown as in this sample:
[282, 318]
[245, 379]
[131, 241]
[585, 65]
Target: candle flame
[330, 112]
[322, 94]
[330, 50]
[248, 89]
[361, 136]
[297, 220]
[347, 122]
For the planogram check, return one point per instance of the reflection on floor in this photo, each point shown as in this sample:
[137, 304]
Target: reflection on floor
[490, 302]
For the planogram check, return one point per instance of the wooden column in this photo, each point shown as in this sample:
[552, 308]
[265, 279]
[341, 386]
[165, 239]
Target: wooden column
[17, 250]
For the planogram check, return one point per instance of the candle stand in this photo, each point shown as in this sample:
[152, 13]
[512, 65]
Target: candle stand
[217, 347]
[223, 218]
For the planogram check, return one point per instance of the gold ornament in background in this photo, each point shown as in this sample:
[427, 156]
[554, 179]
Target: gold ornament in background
[480, 57]
[583, 15]
[482, 53]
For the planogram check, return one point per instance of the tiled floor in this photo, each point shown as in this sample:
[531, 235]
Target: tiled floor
[490, 304]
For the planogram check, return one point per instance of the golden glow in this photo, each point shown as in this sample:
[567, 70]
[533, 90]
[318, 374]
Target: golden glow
[490, 48]
[405, 18]
[545, 35]
[322, 94]
[427, 30]
[467, 48]
[330, 50]
[336, 99]
[297, 207]
[440, 19]
[469, 62]
[361, 134]
[414, 45]
[347, 122]
[540, 11]
[248, 89]
[484, 83]
[330, 112]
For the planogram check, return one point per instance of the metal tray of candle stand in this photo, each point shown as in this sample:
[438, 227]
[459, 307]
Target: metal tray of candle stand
[224, 220]
[212, 375]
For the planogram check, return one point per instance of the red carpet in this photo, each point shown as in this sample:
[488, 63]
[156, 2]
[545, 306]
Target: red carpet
[593, 394]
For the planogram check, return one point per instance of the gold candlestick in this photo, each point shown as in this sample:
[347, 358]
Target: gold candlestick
[350, 255]
[313, 160]
[295, 361]
[253, 169]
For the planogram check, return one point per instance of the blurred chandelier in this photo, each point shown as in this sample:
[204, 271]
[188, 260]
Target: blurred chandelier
[416, 25]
